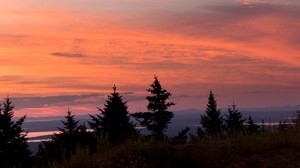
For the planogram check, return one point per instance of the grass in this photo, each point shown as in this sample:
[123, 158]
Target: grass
[267, 149]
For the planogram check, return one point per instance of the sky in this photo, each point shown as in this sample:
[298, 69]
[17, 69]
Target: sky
[59, 54]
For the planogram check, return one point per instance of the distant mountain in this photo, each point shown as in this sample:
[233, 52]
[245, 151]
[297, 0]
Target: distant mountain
[274, 108]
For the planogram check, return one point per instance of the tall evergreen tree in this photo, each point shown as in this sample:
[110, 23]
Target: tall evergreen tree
[114, 120]
[13, 142]
[212, 122]
[234, 121]
[158, 117]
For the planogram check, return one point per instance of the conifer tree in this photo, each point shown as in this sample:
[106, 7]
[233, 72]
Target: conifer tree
[13, 142]
[251, 127]
[212, 122]
[158, 117]
[70, 125]
[234, 121]
[114, 120]
[71, 136]
[183, 134]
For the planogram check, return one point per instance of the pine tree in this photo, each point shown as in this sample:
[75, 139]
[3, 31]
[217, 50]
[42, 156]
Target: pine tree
[212, 122]
[13, 142]
[251, 127]
[114, 120]
[158, 117]
[234, 121]
[183, 134]
[71, 136]
[70, 125]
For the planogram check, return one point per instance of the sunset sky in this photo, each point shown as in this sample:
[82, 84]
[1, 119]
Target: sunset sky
[69, 53]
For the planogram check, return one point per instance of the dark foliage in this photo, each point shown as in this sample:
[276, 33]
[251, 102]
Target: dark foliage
[158, 117]
[271, 149]
[13, 142]
[283, 125]
[114, 120]
[70, 125]
[296, 119]
[183, 134]
[251, 127]
[212, 122]
[200, 133]
[71, 137]
[234, 122]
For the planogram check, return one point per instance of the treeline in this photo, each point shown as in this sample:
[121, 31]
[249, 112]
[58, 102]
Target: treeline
[112, 127]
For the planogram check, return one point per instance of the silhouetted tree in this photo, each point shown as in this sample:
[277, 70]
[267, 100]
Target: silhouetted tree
[212, 122]
[70, 125]
[200, 133]
[114, 120]
[234, 122]
[251, 127]
[282, 126]
[13, 142]
[183, 134]
[158, 117]
[72, 135]
[296, 119]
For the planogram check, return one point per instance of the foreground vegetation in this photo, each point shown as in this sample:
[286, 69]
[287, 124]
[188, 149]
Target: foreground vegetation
[266, 149]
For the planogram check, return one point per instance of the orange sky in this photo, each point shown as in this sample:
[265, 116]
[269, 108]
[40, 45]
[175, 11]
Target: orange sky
[246, 51]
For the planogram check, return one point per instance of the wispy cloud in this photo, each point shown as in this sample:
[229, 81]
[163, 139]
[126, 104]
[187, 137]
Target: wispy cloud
[63, 100]
[68, 55]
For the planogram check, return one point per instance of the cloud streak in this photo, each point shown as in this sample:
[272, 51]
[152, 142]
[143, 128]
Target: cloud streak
[68, 55]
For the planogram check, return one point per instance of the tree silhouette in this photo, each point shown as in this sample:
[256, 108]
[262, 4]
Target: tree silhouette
[13, 142]
[158, 117]
[72, 135]
[234, 121]
[251, 127]
[183, 134]
[114, 120]
[296, 119]
[70, 125]
[212, 122]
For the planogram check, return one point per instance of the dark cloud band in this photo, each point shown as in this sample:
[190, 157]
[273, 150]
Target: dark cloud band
[68, 55]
